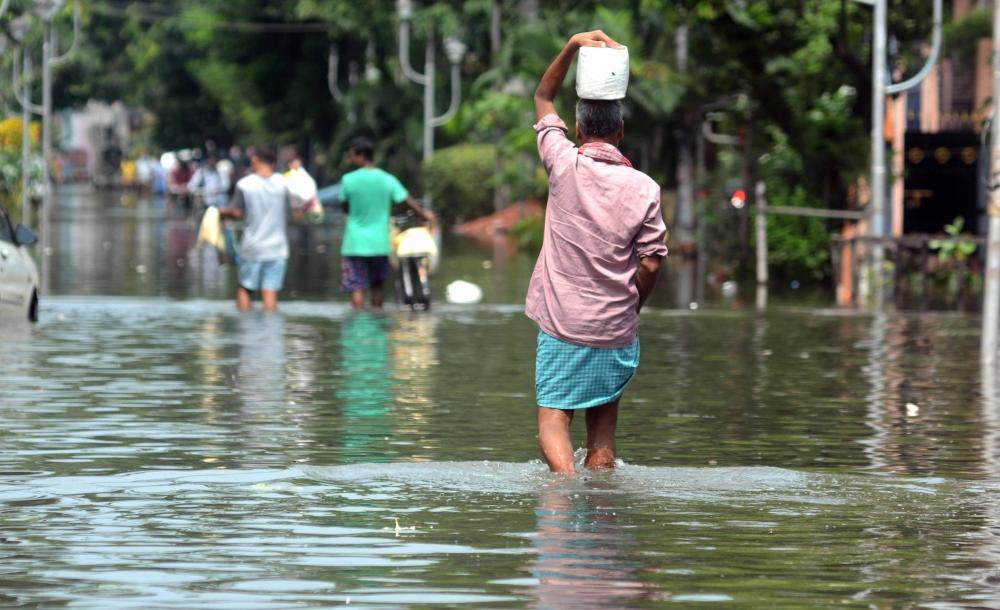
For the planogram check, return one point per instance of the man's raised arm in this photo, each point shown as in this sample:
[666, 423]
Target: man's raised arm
[554, 76]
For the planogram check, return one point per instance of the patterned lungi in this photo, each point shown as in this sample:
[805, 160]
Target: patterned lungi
[569, 376]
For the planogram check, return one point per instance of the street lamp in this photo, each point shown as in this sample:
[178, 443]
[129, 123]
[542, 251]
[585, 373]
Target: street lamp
[882, 85]
[455, 51]
[332, 68]
[19, 26]
[405, 9]
[46, 10]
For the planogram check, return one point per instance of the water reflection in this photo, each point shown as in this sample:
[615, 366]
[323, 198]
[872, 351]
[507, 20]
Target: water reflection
[585, 557]
[260, 379]
[414, 359]
[210, 362]
[991, 419]
[915, 384]
[875, 374]
[160, 443]
[104, 243]
[990, 533]
[365, 388]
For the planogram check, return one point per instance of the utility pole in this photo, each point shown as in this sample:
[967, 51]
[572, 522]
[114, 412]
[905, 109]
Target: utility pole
[881, 86]
[876, 225]
[500, 190]
[46, 10]
[21, 83]
[454, 49]
[46, 117]
[760, 223]
[991, 291]
[25, 139]
[685, 185]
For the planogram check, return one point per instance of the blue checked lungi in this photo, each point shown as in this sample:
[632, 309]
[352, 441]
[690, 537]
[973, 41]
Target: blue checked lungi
[569, 376]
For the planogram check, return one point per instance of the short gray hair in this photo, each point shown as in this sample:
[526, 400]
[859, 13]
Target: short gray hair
[599, 118]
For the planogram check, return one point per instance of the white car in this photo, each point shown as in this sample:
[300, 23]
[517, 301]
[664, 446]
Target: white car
[18, 272]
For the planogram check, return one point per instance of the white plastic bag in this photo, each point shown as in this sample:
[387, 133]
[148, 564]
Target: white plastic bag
[601, 73]
[301, 187]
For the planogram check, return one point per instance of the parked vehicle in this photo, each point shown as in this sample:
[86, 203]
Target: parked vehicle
[414, 256]
[18, 272]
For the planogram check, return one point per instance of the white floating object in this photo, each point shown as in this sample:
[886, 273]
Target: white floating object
[463, 293]
[912, 409]
[601, 73]
[729, 289]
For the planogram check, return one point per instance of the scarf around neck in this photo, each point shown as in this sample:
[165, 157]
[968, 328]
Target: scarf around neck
[602, 151]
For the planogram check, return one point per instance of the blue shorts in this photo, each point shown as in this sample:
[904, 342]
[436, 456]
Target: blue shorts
[363, 272]
[262, 275]
[569, 376]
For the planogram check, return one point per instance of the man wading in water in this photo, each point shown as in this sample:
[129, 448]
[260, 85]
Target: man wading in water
[600, 258]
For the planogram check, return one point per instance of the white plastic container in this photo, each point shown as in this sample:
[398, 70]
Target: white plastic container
[463, 293]
[601, 73]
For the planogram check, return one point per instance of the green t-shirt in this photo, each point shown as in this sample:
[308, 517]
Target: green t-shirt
[370, 194]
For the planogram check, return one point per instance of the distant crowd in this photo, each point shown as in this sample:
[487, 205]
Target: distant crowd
[189, 175]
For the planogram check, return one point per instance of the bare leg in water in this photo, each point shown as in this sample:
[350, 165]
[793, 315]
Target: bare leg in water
[378, 295]
[358, 299]
[243, 301]
[557, 447]
[270, 299]
[553, 437]
[602, 422]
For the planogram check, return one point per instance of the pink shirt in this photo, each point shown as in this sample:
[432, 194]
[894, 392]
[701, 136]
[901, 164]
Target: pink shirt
[601, 217]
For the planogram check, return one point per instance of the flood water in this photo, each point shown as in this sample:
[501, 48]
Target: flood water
[161, 450]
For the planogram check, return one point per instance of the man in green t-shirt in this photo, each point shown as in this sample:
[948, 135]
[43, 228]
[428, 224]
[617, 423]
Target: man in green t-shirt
[369, 194]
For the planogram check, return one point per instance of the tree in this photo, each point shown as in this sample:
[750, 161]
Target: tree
[790, 77]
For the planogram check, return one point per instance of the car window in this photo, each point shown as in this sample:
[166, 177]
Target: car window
[6, 230]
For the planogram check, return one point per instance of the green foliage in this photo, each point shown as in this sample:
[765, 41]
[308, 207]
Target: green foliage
[460, 178]
[790, 76]
[956, 249]
[529, 232]
[10, 179]
[798, 248]
[962, 37]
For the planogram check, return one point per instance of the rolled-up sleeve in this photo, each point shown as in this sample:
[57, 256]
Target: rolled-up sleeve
[552, 141]
[651, 238]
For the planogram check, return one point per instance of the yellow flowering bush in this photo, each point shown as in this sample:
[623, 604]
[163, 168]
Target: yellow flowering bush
[10, 162]
[10, 133]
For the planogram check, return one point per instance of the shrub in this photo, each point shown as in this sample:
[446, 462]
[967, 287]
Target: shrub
[529, 232]
[461, 180]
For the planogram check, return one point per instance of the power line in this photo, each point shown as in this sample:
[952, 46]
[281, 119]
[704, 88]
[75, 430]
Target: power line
[154, 14]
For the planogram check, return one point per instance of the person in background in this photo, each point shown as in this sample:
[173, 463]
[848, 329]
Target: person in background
[600, 257]
[129, 173]
[226, 169]
[261, 201]
[144, 172]
[369, 194]
[159, 185]
[210, 183]
[177, 182]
